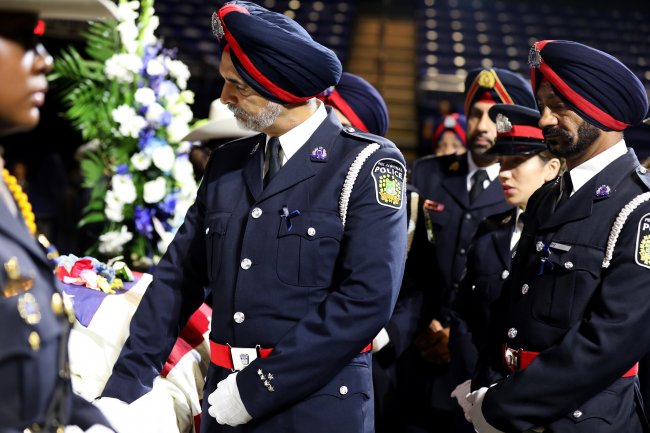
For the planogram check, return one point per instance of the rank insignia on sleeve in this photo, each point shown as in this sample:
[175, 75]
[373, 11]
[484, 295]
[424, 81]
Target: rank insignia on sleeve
[389, 176]
[643, 242]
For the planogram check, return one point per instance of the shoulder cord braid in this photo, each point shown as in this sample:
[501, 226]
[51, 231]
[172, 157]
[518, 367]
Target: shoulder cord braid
[410, 232]
[353, 172]
[618, 225]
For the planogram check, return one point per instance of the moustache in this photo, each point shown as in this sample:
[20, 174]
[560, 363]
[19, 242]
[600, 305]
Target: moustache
[555, 132]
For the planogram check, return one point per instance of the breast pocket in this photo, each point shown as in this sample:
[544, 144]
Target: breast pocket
[216, 227]
[567, 284]
[308, 247]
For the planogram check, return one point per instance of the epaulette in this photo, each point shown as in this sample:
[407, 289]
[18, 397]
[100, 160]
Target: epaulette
[366, 136]
[493, 222]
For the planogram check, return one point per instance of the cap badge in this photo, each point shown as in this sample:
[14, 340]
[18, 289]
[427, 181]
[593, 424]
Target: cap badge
[217, 27]
[319, 154]
[603, 191]
[503, 124]
[450, 122]
[486, 78]
[534, 57]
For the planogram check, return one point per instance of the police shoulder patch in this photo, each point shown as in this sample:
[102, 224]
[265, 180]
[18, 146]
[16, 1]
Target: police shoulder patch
[389, 176]
[642, 255]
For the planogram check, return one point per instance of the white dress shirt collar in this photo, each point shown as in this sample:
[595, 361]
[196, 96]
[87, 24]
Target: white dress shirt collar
[492, 170]
[581, 174]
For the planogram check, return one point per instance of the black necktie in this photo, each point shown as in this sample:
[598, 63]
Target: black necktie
[566, 187]
[275, 163]
[479, 178]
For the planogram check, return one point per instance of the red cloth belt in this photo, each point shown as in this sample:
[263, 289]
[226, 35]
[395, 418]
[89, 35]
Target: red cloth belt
[221, 354]
[520, 359]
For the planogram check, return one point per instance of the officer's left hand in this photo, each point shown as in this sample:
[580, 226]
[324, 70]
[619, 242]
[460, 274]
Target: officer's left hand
[226, 405]
[476, 412]
[433, 343]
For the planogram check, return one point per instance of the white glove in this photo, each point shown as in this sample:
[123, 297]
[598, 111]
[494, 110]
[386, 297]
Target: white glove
[476, 412]
[226, 405]
[460, 393]
[381, 340]
[97, 428]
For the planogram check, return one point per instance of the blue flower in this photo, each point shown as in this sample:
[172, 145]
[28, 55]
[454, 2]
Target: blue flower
[167, 207]
[146, 135]
[166, 89]
[143, 220]
[122, 169]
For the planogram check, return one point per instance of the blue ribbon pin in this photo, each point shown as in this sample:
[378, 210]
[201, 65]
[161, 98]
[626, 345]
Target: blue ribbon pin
[284, 213]
[544, 259]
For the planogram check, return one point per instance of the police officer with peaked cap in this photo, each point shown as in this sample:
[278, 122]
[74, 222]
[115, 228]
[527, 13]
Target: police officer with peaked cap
[525, 165]
[573, 322]
[450, 219]
[302, 247]
[35, 390]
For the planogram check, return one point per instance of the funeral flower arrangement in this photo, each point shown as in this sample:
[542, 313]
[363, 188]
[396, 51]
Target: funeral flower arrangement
[128, 97]
[92, 273]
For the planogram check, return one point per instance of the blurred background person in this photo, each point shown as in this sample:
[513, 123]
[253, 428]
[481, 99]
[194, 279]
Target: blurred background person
[449, 136]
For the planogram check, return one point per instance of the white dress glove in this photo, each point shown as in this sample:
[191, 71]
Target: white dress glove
[226, 405]
[460, 393]
[476, 412]
[380, 341]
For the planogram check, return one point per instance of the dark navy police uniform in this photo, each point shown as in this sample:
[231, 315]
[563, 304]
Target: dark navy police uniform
[286, 275]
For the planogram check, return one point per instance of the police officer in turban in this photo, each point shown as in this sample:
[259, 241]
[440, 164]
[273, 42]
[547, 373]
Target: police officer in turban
[299, 234]
[35, 390]
[572, 323]
[457, 192]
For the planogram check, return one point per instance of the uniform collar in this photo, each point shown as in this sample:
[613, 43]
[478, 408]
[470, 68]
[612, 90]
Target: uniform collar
[492, 170]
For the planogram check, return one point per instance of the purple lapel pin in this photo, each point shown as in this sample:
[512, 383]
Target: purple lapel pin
[603, 191]
[319, 154]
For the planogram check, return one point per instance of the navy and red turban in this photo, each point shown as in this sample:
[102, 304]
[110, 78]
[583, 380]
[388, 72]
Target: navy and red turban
[499, 86]
[456, 123]
[360, 102]
[594, 84]
[274, 54]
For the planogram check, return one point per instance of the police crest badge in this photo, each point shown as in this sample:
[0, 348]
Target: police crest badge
[642, 255]
[389, 176]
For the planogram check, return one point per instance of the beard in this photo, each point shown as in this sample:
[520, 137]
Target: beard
[479, 149]
[564, 144]
[260, 121]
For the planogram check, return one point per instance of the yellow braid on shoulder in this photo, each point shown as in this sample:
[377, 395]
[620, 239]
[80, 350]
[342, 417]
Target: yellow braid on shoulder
[21, 200]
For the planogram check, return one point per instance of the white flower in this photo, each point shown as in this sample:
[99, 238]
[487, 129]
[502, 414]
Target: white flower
[155, 112]
[176, 130]
[182, 112]
[187, 96]
[123, 67]
[148, 37]
[113, 242]
[129, 36]
[127, 11]
[182, 205]
[130, 123]
[179, 71]
[141, 161]
[114, 207]
[182, 169]
[145, 96]
[165, 236]
[124, 188]
[155, 190]
[155, 67]
[163, 158]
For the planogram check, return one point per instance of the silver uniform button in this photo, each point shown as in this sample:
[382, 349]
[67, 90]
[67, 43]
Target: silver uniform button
[246, 264]
[349, 129]
[524, 289]
[539, 246]
[256, 213]
[512, 333]
[311, 231]
[505, 274]
[207, 230]
[239, 317]
[576, 414]
[643, 170]
[568, 265]
[343, 390]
